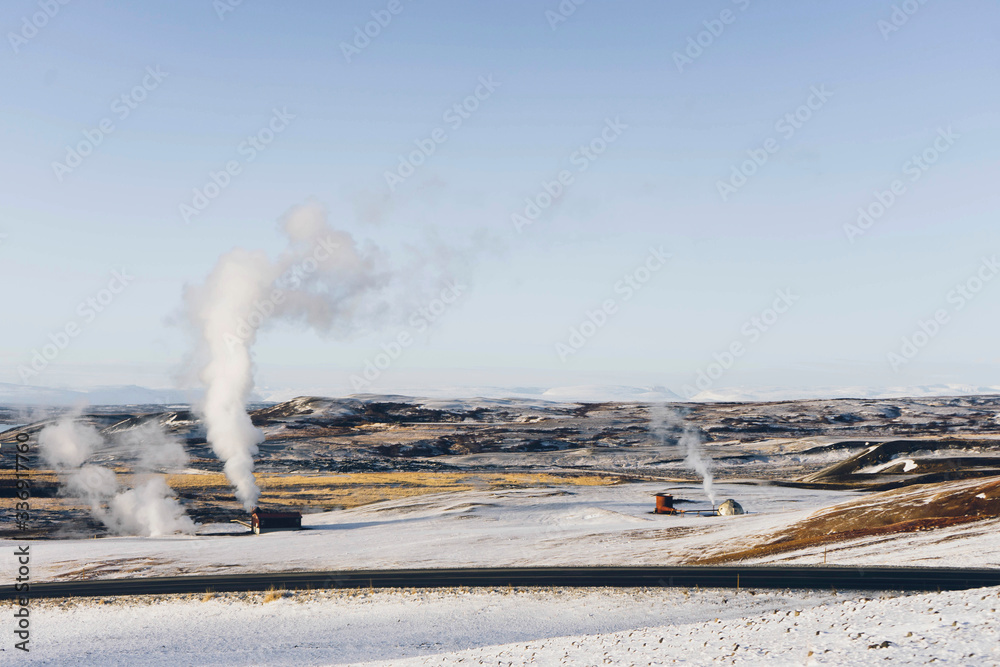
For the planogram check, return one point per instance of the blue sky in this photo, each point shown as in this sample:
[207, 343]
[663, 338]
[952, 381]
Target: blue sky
[656, 185]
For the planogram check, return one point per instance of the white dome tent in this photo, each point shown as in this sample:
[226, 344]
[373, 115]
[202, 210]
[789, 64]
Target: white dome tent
[731, 508]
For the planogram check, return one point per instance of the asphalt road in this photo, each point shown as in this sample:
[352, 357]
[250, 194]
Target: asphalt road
[840, 578]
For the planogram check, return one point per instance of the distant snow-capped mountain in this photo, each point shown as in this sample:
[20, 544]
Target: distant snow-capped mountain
[17, 394]
[20, 394]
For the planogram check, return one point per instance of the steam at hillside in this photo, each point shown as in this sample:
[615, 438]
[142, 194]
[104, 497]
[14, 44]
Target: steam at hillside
[149, 508]
[323, 280]
[665, 423]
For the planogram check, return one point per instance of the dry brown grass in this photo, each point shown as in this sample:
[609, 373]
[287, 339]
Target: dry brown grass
[39, 476]
[273, 594]
[53, 504]
[910, 509]
[209, 492]
[784, 546]
[355, 489]
[47, 475]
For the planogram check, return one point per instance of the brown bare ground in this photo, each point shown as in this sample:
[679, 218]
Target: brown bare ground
[911, 509]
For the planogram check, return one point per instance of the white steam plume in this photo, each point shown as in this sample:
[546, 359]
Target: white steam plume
[148, 509]
[323, 280]
[67, 443]
[664, 423]
[239, 281]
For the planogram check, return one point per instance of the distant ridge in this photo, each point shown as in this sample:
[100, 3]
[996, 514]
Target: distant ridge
[17, 394]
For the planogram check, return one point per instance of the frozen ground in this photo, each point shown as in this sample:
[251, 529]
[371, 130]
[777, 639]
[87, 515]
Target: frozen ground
[550, 526]
[311, 436]
[527, 527]
[542, 627]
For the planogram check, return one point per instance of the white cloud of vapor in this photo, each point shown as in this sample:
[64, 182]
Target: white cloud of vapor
[664, 424]
[323, 279]
[150, 508]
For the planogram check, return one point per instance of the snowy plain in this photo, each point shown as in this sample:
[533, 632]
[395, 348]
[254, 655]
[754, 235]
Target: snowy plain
[557, 526]
[561, 525]
[518, 627]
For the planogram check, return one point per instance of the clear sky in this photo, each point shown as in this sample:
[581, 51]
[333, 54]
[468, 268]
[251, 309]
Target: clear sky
[677, 119]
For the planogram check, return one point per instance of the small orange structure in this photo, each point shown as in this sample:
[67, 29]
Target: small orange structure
[665, 504]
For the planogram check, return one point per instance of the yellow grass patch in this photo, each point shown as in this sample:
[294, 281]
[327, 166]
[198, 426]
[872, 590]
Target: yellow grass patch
[354, 489]
[35, 476]
[336, 490]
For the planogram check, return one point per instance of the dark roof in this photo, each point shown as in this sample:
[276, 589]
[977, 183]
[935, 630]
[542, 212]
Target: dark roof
[276, 515]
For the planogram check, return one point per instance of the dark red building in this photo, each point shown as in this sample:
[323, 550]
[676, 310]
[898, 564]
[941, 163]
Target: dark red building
[264, 522]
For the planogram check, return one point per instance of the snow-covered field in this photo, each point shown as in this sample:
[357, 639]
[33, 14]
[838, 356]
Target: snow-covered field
[571, 525]
[541, 627]
[519, 527]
